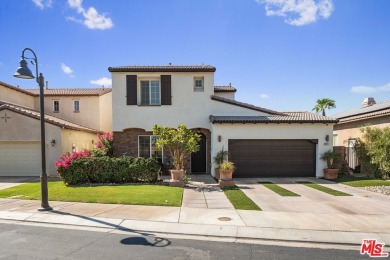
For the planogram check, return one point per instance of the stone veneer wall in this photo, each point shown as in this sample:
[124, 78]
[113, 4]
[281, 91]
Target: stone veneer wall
[126, 142]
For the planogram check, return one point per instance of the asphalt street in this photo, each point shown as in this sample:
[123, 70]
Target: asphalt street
[39, 242]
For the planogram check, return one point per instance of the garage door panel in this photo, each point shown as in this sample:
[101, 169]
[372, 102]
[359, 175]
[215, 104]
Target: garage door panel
[20, 159]
[273, 158]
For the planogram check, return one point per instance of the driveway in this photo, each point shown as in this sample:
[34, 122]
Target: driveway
[314, 201]
[7, 182]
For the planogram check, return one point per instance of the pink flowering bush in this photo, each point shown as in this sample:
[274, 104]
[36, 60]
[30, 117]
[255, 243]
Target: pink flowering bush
[104, 147]
[67, 158]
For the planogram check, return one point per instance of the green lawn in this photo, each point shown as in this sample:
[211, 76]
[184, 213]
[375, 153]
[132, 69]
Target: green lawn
[155, 195]
[279, 190]
[239, 199]
[324, 189]
[360, 181]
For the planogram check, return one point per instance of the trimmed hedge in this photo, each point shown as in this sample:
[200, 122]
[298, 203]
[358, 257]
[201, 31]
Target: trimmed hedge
[109, 170]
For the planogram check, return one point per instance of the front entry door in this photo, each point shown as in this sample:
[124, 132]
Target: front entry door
[198, 159]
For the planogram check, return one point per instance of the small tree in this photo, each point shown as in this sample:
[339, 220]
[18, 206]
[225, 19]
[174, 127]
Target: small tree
[104, 147]
[178, 142]
[377, 147]
[323, 104]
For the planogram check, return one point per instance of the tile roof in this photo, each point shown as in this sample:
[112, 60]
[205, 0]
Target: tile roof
[224, 89]
[61, 91]
[48, 119]
[288, 117]
[167, 68]
[16, 88]
[72, 91]
[384, 112]
[245, 105]
[363, 110]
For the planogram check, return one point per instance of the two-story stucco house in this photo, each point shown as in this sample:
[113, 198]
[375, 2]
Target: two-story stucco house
[261, 142]
[73, 117]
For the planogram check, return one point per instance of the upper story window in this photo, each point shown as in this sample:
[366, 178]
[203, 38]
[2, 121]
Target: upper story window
[76, 106]
[150, 92]
[147, 147]
[198, 84]
[56, 106]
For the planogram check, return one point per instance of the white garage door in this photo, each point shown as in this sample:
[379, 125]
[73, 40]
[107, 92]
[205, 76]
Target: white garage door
[20, 159]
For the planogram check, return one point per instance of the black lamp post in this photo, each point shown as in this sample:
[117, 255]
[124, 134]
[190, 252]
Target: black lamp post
[24, 72]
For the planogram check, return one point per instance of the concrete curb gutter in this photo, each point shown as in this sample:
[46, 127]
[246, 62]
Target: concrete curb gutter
[189, 229]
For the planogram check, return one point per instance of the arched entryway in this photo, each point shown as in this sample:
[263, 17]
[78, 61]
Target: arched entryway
[199, 159]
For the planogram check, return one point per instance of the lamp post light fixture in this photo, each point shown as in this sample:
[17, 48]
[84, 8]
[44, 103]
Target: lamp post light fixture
[24, 72]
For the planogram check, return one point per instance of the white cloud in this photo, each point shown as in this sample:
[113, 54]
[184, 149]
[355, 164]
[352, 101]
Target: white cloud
[67, 70]
[43, 3]
[264, 96]
[92, 18]
[368, 90]
[102, 82]
[298, 12]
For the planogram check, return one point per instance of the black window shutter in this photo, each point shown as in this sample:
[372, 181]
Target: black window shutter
[166, 94]
[131, 89]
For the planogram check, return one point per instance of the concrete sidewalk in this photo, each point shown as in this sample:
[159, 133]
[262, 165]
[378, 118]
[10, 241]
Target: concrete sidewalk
[314, 227]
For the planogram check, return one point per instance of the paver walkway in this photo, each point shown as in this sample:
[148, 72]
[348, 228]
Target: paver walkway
[204, 192]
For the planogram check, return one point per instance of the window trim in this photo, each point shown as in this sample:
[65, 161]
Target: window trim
[74, 106]
[150, 146]
[54, 106]
[139, 88]
[198, 89]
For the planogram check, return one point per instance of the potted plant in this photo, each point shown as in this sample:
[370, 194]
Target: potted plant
[331, 172]
[219, 158]
[178, 143]
[226, 170]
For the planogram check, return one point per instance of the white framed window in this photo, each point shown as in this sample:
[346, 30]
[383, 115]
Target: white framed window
[150, 93]
[76, 106]
[147, 147]
[56, 106]
[335, 139]
[198, 84]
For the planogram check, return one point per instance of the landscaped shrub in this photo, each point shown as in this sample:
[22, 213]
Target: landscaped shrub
[374, 151]
[106, 169]
[104, 147]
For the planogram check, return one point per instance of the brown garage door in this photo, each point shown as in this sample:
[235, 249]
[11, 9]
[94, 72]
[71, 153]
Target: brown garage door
[273, 158]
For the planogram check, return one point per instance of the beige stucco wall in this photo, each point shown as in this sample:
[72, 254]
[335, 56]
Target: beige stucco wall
[22, 128]
[229, 95]
[352, 130]
[89, 114]
[105, 103]
[188, 107]
[16, 97]
[80, 140]
[273, 131]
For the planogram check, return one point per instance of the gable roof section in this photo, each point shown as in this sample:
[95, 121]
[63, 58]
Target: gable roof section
[224, 89]
[168, 68]
[48, 119]
[244, 105]
[61, 91]
[376, 110]
[287, 117]
[16, 88]
[72, 91]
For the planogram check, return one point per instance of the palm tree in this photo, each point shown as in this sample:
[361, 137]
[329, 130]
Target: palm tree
[323, 104]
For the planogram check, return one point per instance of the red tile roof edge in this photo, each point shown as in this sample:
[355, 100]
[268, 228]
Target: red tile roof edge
[36, 115]
[244, 105]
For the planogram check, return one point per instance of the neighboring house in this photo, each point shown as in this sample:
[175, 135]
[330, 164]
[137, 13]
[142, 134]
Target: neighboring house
[73, 118]
[261, 142]
[347, 130]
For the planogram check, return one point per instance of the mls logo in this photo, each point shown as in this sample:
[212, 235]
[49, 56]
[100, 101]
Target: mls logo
[372, 248]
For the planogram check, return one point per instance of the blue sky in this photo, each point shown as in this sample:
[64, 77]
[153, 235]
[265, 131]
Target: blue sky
[279, 54]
